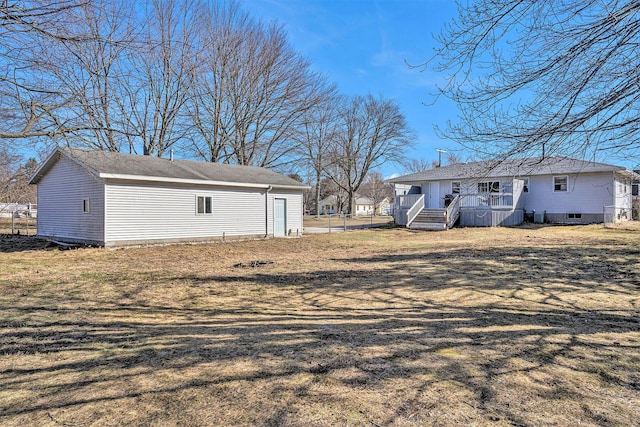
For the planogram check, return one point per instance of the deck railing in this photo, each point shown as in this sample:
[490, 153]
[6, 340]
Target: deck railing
[489, 200]
[408, 200]
[453, 211]
[415, 209]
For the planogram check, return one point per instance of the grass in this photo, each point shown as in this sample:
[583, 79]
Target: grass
[500, 327]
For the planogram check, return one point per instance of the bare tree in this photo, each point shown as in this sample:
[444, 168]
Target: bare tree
[372, 131]
[418, 165]
[8, 166]
[273, 89]
[31, 101]
[162, 70]
[209, 107]
[93, 69]
[376, 189]
[453, 158]
[14, 178]
[252, 91]
[318, 133]
[544, 77]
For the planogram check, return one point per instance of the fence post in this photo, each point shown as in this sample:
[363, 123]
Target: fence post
[345, 222]
[329, 223]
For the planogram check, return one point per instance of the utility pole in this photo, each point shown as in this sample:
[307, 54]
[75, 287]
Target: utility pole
[440, 156]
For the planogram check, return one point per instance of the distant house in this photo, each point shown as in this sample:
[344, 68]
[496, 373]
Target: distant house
[114, 199]
[361, 206]
[367, 206]
[329, 205]
[9, 210]
[554, 189]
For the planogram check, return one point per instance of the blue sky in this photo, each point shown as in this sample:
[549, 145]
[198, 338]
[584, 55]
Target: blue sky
[363, 46]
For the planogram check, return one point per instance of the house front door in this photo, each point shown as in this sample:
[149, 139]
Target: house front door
[434, 194]
[280, 217]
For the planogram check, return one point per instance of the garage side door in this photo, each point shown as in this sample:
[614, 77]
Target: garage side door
[279, 217]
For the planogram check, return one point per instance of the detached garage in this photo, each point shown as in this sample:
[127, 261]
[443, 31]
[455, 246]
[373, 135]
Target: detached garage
[114, 199]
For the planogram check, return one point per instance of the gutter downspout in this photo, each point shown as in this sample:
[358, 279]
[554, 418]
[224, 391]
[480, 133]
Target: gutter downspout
[266, 212]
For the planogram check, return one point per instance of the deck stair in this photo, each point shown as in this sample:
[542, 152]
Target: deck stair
[430, 219]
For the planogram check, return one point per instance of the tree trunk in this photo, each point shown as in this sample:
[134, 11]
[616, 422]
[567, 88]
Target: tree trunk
[318, 194]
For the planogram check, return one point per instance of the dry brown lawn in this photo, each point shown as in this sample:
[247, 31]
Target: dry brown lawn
[351, 221]
[24, 226]
[496, 327]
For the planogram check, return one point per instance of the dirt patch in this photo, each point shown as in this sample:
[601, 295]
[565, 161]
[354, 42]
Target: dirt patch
[20, 242]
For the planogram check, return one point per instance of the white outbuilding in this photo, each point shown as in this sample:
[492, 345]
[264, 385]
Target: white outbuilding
[114, 199]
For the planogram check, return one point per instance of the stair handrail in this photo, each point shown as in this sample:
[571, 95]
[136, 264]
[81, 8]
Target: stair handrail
[415, 209]
[453, 211]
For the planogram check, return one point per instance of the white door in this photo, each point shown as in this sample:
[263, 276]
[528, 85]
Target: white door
[280, 217]
[434, 194]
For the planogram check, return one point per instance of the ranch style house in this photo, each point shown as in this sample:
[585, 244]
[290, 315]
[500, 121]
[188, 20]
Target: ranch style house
[505, 193]
[113, 199]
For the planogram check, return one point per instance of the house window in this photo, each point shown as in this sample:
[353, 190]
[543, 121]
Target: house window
[574, 216]
[525, 185]
[203, 205]
[85, 205]
[489, 187]
[455, 187]
[560, 183]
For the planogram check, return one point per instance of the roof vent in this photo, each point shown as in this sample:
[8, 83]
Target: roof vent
[171, 154]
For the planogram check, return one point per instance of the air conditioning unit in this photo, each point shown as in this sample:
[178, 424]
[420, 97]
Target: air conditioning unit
[538, 217]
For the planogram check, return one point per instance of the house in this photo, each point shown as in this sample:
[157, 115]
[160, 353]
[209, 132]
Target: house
[9, 210]
[114, 199]
[552, 189]
[361, 206]
[329, 205]
[367, 206]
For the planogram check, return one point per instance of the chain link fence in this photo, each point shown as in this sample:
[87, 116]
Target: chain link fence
[18, 219]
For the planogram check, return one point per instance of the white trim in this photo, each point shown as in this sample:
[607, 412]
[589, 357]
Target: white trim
[459, 186]
[198, 181]
[553, 182]
[204, 205]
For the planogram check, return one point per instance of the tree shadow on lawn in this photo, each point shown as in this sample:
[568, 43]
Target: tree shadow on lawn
[451, 334]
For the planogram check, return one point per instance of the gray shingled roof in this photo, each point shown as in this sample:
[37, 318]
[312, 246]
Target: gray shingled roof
[109, 164]
[507, 168]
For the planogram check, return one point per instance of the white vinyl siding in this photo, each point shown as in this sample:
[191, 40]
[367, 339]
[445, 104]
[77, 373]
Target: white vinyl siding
[586, 193]
[140, 212]
[623, 199]
[63, 194]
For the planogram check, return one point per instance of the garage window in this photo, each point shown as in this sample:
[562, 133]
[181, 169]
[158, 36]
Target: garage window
[203, 205]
